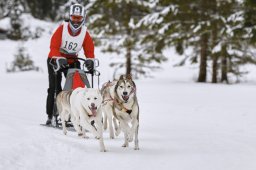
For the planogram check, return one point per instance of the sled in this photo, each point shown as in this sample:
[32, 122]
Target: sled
[75, 78]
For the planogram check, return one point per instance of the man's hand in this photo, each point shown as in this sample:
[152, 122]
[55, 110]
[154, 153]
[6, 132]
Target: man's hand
[89, 64]
[58, 63]
[64, 66]
[63, 63]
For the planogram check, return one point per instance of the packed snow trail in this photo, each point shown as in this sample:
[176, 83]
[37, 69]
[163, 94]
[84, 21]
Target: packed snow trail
[182, 126]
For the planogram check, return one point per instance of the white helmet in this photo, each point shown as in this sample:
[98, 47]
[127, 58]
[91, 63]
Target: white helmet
[76, 16]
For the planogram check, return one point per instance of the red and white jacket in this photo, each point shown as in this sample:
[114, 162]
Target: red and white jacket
[58, 42]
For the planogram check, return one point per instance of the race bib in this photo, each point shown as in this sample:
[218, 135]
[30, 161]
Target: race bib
[72, 44]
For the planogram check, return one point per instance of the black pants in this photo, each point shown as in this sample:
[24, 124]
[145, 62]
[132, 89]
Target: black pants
[51, 89]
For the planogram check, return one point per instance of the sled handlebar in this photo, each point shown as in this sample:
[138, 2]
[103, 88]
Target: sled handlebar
[95, 60]
[61, 62]
[57, 62]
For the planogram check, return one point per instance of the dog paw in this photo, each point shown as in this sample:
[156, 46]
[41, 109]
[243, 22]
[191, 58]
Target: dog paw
[103, 150]
[117, 133]
[136, 148]
[85, 137]
[125, 145]
[130, 137]
[97, 137]
[111, 136]
[64, 132]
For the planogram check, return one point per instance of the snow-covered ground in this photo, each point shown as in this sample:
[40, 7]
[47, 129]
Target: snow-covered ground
[183, 125]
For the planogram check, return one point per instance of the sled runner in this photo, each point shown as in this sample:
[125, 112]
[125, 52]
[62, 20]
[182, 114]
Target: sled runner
[69, 127]
[75, 78]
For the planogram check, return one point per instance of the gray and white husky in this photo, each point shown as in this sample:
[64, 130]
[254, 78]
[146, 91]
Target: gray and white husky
[64, 109]
[120, 103]
[84, 106]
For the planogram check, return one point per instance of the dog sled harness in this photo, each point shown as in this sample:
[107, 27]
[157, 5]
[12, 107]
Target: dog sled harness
[76, 78]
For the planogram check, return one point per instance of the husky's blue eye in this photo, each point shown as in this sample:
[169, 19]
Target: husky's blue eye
[88, 98]
[129, 86]
[121, 87]
[95, 98]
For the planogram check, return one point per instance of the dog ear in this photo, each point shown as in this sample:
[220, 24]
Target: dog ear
[100, 96]
[121, 77]
[98, 92]
[85, 91]
[129, 76]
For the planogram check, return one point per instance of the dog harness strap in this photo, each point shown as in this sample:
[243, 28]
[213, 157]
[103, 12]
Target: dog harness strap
[129, 111]
[114, 112]
[107, 100]
[105, 85]
[121, 107]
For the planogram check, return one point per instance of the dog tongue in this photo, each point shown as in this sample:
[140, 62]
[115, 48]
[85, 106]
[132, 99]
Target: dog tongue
[125, 97]
[94, 111]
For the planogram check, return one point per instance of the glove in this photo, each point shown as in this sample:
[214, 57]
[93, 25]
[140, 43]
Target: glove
[58, 63]
[89, 64]
[63, 63]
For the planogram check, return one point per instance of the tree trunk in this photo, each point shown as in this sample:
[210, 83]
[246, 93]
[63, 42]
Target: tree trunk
[224, 64]
[214, 56]
[203, 58]
[128, 61]
[214, 43]
[129, 43]
[215, 68]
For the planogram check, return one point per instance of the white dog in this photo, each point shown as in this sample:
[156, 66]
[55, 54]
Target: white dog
[84, 106]
[120, 101]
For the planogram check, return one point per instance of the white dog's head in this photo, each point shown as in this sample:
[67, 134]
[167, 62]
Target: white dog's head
[125, 88]
[92, 100]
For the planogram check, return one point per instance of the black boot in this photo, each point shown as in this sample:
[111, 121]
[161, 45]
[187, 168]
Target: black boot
[49, 121]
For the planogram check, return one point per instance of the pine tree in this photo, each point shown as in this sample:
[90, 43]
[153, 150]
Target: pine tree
[182, 24]
[4, 8]
[232, 39]
[15, 13]
[213, 29]
[45, 9]
[116, 24]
